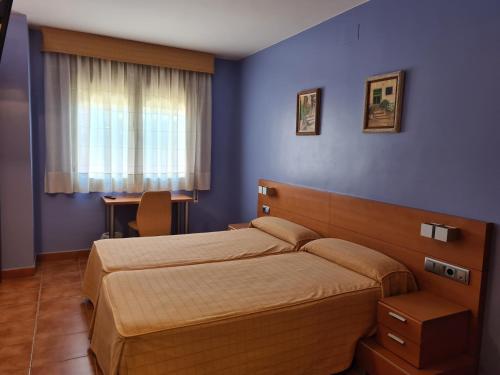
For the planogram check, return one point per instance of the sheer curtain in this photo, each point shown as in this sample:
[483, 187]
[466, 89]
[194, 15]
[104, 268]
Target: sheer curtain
[119, 127]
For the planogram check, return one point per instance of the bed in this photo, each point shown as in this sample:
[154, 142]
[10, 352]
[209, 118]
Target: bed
[298, 312]
[267, 235]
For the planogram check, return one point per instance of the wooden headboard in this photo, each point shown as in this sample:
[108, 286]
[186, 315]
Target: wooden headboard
[395, 231]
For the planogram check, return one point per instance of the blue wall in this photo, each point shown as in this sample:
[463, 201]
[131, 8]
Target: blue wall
[16, 192]
[220, 206]
[446, 158]
[69, 222]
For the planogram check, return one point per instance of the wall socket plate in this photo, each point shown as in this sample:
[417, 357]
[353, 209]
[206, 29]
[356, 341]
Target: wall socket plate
[266, 209]
[448, 270]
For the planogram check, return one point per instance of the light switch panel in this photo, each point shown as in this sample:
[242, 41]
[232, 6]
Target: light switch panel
[448, 270]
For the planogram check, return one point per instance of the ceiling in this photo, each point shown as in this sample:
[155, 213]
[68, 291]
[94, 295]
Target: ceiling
[228, 28]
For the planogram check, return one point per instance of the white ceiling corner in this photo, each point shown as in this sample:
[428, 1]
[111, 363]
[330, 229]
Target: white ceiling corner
[230, 29]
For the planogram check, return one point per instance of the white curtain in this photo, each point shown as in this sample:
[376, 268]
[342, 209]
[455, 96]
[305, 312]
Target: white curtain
[119, 127]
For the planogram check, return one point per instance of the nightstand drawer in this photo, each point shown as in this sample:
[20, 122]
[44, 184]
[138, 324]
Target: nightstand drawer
[421, 328]
[399, 322]
[399, 345]
[377, 360]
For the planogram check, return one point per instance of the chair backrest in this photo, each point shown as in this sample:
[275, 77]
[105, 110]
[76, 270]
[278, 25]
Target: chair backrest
[154, 215]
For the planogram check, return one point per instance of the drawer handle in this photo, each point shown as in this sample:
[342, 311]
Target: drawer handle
[396, 338]
[396, 316]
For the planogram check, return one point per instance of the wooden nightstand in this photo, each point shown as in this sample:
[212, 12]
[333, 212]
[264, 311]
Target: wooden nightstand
[238, 226]
[417, 331]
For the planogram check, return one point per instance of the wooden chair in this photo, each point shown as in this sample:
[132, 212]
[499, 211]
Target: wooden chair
[154, 215]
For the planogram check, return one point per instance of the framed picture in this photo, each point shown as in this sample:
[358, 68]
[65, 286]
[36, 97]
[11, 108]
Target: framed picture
[384, 103]
[308, 112]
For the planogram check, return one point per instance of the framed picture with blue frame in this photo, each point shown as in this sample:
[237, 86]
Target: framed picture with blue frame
[384, 103]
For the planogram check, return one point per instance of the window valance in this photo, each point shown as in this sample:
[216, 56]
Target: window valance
[127, 51]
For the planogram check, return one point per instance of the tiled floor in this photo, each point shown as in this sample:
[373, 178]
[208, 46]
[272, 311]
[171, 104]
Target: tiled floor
[44, 322]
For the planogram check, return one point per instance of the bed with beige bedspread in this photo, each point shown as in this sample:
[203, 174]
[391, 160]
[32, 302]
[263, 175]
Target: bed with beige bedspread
[299, 313]
[268, 235]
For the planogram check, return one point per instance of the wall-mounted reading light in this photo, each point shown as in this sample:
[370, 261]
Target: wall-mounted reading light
[446, 233]
[440, 232]
[266, 190]
[427, 230]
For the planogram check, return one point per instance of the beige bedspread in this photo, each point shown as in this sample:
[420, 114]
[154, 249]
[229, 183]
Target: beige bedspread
[140, 253]
[293, 313]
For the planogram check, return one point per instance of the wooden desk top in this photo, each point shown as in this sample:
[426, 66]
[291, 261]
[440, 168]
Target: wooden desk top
[122, 200]
[238, 226]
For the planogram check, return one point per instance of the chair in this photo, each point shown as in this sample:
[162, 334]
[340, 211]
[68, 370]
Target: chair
[154, 215]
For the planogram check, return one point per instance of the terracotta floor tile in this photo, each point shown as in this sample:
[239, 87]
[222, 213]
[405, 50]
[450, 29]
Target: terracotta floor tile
[18, 372]
[57, 273]
[22, 283]
[65, 272]
[84, 258]
[57, 348]
[65, 290]
[63, 268]
[14, 357]
[18, 297]
[18, 332]
[61, 341]
[77, 366]
[71, 305]
[57, 264]
[15, 313]
[73, 277]
[62, 324]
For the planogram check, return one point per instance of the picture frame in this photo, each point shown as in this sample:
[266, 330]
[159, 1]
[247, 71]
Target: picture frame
[384, 103]
[308, 112]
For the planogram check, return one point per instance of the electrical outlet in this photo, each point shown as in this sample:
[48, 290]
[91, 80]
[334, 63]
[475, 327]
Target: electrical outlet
[266, 209]
[447, 270]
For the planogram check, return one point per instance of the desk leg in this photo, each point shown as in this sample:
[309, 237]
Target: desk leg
[186, 217]
[111, 224]
[106, 218]
[178, 226]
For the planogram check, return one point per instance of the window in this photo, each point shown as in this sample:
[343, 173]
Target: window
[377, 96]
[126, 127]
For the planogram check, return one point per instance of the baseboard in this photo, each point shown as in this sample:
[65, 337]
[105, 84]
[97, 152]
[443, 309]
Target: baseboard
[62, 255]
[18, 272]
[30, 271]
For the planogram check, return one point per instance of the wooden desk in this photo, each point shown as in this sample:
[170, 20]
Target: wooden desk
[238, 226]
[134, 200]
